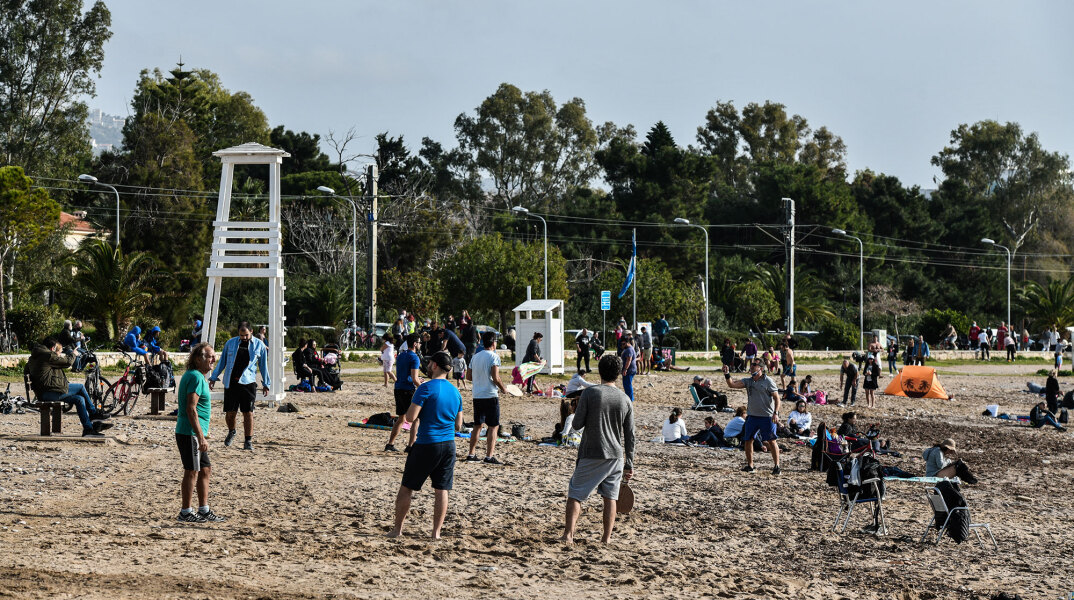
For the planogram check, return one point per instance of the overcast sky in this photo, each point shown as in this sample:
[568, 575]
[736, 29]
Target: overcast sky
[891, 78]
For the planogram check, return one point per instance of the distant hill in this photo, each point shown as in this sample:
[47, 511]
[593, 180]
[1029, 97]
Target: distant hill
[106, 130]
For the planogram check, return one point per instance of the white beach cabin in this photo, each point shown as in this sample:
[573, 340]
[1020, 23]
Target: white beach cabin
[545, 316]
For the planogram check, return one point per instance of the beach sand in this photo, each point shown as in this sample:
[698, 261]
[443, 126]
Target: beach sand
[309, 509]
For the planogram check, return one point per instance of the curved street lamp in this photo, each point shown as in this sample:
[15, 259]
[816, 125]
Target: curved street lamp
[354, 251]
[522, 210]
[92, 181]
[991, 242]
[861, 286]
[705, 230]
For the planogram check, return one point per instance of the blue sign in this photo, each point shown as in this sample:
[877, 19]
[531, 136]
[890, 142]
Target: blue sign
[606, 300]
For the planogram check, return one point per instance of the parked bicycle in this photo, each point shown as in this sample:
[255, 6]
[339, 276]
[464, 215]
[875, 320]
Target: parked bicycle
[11, 403]
[96, 385]
[9, 342]
[123, 394]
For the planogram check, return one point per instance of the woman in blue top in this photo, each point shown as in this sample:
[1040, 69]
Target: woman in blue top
[433, 454]
[191, 429]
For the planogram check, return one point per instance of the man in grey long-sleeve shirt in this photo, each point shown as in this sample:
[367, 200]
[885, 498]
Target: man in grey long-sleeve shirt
[606, 454]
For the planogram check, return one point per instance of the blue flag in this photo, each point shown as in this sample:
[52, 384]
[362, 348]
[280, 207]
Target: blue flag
[630, 270]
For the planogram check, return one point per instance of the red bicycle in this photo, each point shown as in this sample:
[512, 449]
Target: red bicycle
[123, 394]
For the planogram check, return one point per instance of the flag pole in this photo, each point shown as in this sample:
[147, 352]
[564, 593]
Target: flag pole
[635, 236]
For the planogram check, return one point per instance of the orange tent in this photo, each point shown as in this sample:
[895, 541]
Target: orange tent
[917, 382]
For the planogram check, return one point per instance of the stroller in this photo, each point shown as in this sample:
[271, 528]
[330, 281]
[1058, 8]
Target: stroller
[331, 368]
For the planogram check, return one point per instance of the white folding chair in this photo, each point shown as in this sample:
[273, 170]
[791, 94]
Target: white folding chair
[937, 504]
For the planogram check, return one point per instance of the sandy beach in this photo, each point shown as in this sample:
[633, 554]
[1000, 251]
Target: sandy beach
[309, 509]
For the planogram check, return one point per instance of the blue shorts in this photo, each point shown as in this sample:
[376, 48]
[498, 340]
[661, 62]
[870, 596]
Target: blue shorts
[791, 370]
[762, 427]
[435, 462]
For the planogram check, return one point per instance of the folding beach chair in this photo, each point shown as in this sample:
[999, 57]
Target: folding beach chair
[697, 399]
[938, 505]
[848, 502]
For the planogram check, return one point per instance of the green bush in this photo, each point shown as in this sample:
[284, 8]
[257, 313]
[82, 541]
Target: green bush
[836, 334]
[935, 321]
[689, 339]
[321, 336]
[670, 341]
[804, 343]
[34, 322]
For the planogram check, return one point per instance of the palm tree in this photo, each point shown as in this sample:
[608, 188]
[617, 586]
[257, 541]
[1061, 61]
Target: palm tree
[809, 304]
[109, 287]
[326, 302]
[1051, 304]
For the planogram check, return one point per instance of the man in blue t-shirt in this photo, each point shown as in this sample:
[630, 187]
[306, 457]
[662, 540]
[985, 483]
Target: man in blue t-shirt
[407, 379]
[433, 454]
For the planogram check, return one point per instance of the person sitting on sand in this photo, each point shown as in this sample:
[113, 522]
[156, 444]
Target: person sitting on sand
[942, 460]
[1041, 416]
[565, 434]
[800, 420]
[805, 387]
[791, 394]
[735, 425]
[711, 435]
[576, 384]
[674, 430]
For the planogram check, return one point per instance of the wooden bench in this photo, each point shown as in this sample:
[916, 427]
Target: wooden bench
[51, 412]
[156, 400]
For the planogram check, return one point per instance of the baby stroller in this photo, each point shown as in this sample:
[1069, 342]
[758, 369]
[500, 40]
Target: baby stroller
[332, 366]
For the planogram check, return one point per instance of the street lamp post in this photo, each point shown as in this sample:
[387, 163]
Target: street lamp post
[861, 286]
[354, 252]
[525, 211]
[704, 230]
[992, 242]
[91, 180]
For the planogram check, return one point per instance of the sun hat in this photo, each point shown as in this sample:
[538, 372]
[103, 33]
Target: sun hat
[948, 444]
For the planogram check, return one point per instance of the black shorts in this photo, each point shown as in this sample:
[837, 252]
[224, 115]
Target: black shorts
[487, 411]
[240, 396]
[435, 462]
[402, 401]
[193, 459]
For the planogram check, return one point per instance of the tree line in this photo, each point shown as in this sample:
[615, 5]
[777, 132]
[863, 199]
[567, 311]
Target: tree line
[454, 240]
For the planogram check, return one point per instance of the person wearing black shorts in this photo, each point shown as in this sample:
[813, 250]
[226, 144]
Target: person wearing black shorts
[432, 457]
[407, 379]
[238, 360]
[191, 429]
[484, 372]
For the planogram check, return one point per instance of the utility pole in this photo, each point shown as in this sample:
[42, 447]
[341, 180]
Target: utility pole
[789, 204]
[371, 276]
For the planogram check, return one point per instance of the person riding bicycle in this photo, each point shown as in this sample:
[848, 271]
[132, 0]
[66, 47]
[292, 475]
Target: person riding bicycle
[49, 383]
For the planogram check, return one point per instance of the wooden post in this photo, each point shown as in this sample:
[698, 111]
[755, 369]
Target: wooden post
[46, 411]
[57, 416]
[156, 401]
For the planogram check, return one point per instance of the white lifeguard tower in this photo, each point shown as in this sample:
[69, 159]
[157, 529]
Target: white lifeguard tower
[548, 321]
[249, 249]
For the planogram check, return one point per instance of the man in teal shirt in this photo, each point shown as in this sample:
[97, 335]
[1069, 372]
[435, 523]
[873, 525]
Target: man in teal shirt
[191, 429]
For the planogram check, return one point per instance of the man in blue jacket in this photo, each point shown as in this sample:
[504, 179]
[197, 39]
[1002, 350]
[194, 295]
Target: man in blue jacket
[132, 342]
[152, 344]
[240, 360]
